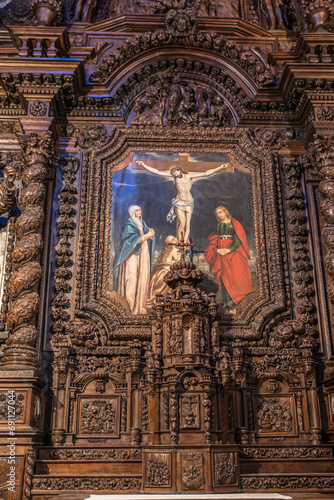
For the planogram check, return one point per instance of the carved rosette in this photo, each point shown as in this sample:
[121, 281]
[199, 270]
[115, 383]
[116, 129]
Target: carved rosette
[23, 284]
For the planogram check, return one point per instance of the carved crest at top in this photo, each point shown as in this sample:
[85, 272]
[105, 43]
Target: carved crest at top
[181, 22]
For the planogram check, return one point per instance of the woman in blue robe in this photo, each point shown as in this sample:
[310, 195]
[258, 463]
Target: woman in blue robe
[132, 265]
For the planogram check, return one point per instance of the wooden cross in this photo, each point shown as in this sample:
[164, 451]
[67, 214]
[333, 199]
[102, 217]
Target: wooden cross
[182, 246]
[184, 162]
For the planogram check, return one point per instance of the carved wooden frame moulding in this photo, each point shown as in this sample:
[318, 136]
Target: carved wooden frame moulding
[253, 149]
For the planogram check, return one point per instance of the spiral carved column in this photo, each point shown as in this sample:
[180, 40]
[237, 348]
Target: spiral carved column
[20, 351]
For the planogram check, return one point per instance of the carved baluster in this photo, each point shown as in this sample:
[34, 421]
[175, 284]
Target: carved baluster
[61, 366]
[21, 319]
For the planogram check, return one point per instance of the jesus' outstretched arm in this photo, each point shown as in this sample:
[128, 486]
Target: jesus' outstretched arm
[153, 170]
[209, 172]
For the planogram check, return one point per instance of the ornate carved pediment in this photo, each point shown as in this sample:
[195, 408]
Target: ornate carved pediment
[244, 58]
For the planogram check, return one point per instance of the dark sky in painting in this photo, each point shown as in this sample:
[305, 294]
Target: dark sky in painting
[154, 194]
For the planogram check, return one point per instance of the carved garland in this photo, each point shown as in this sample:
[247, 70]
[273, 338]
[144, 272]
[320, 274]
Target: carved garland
[21, 344]
[66, 225]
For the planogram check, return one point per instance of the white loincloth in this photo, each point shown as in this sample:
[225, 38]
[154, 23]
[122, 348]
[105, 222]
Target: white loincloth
[186, 206]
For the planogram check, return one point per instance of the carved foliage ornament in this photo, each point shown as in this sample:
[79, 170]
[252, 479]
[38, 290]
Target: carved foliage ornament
[5, 407]
[66, 225]
[95, 454]
[7, 189]
[225, 473]
[92, 136]
[286, 334]
[325, 113]
[88, 483]
[320, 159]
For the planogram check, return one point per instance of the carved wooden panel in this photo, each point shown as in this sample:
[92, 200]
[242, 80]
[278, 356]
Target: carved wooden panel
[158, 470]
[98, 416]
[275, 414]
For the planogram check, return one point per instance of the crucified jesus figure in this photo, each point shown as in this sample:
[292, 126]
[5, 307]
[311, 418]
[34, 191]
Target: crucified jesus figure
[183, 203]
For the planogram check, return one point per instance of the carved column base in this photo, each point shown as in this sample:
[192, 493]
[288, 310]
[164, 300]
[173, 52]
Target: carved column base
[19, 358]
[58, 437]
[243, 436]
[135, 437]
[315, 435]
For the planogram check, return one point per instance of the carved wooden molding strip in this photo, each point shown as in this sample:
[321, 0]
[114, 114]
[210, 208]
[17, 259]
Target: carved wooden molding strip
[87, 483]
[294, 482]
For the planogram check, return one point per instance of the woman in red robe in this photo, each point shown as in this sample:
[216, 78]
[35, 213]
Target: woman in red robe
[227, 255]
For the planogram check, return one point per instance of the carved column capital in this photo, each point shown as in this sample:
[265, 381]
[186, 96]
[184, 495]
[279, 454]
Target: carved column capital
[36, 148]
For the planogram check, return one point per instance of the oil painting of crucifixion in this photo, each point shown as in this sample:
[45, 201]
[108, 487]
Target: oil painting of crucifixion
[161, 197]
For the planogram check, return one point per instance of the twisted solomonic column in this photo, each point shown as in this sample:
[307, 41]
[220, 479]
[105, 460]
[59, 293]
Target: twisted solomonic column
[20, 350]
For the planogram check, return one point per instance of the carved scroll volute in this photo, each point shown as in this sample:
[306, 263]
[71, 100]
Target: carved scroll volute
[25, 301]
